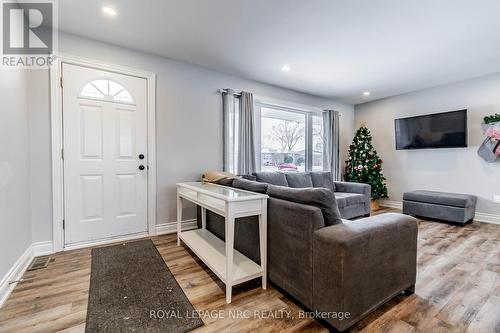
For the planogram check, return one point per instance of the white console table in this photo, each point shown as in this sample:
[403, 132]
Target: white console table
[231, 266]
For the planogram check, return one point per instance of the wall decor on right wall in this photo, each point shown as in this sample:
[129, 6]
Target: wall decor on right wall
[490, 148]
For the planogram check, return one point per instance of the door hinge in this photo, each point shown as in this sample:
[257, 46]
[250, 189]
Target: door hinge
[62, 153]
[61, 81]
[64, 224]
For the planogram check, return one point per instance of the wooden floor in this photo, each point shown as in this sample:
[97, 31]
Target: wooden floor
[458, 290]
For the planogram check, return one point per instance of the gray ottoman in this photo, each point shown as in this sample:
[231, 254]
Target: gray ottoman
[452, 207]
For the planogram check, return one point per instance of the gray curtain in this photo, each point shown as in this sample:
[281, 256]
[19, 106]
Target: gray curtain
[228, 130]
[246, 146]
[331, 146]
[238, 133]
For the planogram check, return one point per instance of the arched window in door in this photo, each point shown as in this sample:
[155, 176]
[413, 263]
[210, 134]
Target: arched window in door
[108, 90]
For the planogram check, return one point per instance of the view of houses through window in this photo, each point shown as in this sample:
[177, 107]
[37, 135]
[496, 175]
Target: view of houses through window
[317, 143]
[291, 140]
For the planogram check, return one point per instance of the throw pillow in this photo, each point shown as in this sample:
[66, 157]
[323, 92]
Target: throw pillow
[250, 185]
[319, 197]
[225, 181]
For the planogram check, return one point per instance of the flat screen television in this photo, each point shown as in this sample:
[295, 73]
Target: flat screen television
[438, 130]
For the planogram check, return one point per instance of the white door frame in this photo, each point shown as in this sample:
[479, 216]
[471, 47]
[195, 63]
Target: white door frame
[57, 144]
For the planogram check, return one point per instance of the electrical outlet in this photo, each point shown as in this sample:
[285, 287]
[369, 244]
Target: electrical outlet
[496, 198]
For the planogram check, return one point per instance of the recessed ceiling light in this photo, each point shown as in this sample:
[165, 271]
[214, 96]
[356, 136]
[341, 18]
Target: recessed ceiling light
[108, 11]
[366, 93]
[285, 68]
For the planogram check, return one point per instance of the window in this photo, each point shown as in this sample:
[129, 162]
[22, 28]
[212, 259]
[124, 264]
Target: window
[318, 139]
[283, 140]
[107, 90]
[290, 140]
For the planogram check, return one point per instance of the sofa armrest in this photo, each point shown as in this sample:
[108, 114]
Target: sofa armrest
[358, 265]
[348, 187]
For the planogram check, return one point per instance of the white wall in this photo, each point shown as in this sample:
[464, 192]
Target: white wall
[188, 121]
[15, 226]
[40, 170]
[453, 170]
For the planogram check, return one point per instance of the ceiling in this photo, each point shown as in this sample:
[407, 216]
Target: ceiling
[335, 48]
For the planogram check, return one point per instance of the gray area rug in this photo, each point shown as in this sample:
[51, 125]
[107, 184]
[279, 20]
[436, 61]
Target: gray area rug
[132, 290]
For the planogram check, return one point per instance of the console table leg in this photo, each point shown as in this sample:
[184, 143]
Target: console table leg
[179, 219]
[229, 255]
[203, 218]
[263, 242]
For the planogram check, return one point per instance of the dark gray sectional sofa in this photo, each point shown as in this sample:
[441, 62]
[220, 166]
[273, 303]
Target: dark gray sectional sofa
[353, 199]
[343, 269]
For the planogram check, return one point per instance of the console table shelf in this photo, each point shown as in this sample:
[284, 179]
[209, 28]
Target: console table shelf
[211, 250]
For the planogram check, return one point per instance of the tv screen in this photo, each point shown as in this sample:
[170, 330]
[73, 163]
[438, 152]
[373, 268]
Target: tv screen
[439, 130]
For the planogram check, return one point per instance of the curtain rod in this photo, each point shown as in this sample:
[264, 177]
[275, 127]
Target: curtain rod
[305, 109]
[224, 91]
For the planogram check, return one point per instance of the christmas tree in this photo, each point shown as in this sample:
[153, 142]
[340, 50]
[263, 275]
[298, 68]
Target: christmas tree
[364, 165]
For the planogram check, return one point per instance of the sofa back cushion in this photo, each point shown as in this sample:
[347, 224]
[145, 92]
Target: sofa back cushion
[274, 178]
[298, 179]
[323, 179]
[250, 185]
[249, 177]
[225, 181]
[319, 197]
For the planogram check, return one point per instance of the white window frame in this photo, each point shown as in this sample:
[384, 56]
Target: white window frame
[105, 97]
[307, 111]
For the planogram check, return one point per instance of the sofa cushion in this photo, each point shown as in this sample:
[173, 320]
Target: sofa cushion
[323, 179]
[341, 201]
[299, 179]
[319, 197]
[274, 178]
[348, 199]
[249, 177]
[250, 185]
[441, 198]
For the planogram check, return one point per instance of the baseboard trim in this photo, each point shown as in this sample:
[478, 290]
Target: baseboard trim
[161, 229]
[15, 273]
[487, 218]
[391, 204]
[47, 247]
[43, 248]
[171, 227]
[118, 239]
[480, 217]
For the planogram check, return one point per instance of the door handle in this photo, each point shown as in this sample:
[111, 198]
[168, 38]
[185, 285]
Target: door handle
[141, 156]
[141, 167]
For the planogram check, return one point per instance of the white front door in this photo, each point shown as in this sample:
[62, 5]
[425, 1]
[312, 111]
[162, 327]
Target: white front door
[105, 154]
